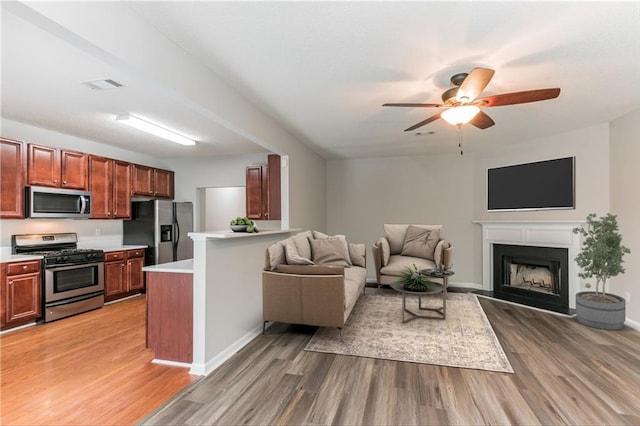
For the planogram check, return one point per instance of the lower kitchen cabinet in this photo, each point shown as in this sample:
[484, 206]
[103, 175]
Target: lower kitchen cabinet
[123, 274]
[20, 293]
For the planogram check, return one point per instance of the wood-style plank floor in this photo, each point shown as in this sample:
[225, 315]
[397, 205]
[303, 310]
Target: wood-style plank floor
[565, 373]
[88, 369]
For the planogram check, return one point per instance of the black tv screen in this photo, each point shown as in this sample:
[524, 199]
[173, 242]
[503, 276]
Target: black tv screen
[542, 185]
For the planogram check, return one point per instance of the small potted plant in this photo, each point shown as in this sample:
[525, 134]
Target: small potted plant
[601, 257]
[412, 280]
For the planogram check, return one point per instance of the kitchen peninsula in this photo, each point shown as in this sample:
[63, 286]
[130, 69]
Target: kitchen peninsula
[222, 286]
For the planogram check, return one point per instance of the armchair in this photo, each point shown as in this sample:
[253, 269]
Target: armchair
[402, 246]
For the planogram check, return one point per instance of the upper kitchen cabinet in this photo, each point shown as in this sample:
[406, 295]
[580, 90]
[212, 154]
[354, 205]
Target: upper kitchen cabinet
[48, 166]
[109, 183]
[150, 182]
[12, 175]
[263, 190]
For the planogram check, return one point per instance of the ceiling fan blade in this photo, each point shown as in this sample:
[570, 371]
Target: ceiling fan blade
[414, 105]
[520, 97]
[423, 122]
[482, 121]
[474, 84]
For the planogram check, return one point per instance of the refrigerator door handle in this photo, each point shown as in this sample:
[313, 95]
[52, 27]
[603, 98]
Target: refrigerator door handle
[176, 239]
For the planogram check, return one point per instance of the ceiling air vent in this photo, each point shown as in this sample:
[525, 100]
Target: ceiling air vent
[102, 84]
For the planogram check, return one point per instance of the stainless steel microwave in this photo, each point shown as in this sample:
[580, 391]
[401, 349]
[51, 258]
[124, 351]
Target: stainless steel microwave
[43, 202]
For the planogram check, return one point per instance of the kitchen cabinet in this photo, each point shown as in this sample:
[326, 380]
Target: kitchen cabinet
[21, 293]
[263, 190]
[52, 167]
[123, 273]
[12, 175]
[150, 182]
[109, 183]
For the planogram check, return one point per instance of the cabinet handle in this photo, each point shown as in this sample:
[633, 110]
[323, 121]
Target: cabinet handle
[55, 181]
[64, 182]
[122, 264]
[24, 266]
[10, 282]
[108, 213]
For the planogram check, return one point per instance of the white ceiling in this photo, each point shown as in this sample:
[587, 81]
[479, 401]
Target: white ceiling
[322, 70]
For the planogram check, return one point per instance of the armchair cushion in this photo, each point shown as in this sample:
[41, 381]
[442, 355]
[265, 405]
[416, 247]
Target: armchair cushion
[420, 242]
[398, 264]
[395, 235]
[330, 251]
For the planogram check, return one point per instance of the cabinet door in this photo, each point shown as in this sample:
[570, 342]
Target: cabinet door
[43, 166]
[74, 170]
[255, 196]
[101, 177]
[121, 189]
[114, 279]
[136, 278]
[23, 298]
[142, 180]
[273, 184]
[12, 179]
[163, 183]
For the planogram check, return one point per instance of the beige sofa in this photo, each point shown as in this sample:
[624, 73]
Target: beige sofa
[403, 246]
[312, 279]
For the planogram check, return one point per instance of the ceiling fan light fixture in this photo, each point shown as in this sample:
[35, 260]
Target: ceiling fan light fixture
[154, 129]
[460, 115]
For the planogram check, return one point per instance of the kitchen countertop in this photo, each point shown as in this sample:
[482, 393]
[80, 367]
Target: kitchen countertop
[111, 247]
[180, 267]
[8, 257]
[230, 234]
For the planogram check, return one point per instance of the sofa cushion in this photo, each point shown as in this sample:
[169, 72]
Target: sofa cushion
[310, 269]
[420, 242]
[301, 241]
[357, 254]
[275, 255]
[354, 279]
[398, 263]
[395, 233]
[292, 256]
[330, 251]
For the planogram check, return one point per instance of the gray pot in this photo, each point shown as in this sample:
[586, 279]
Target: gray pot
[609, 316]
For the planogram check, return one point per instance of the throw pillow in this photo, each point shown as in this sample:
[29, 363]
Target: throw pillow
[293, 258]
[357, 254]
[420, 242]
[301, 241]
[330, 251]
[385, 249]
[319, 236]
[275, 256]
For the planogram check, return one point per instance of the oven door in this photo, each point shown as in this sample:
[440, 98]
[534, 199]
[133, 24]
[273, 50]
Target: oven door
[63, 282]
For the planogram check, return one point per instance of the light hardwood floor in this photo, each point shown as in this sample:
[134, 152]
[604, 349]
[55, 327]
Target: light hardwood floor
[88, 369]
[565, 373]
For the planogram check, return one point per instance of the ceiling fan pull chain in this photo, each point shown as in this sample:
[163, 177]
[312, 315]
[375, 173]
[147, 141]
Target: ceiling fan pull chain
[460, 139]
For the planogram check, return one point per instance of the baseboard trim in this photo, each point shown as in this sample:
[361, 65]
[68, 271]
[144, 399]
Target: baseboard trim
[171, 363]
[632, 324]
[225, 354]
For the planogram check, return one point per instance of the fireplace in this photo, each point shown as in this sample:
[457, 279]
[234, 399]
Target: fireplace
[532, 275]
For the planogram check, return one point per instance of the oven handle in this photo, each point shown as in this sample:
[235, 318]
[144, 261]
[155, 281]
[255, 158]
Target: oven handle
[73, 266]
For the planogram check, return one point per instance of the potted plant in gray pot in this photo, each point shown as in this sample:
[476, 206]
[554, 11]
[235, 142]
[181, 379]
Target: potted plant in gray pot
[601, 257]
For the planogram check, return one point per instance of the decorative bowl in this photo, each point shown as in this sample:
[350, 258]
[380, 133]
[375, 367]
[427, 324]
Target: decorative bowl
[239, 228]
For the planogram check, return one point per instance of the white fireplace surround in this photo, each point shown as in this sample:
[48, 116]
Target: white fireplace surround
[542, 233]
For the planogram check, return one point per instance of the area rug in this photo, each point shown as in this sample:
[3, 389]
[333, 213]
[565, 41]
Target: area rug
[464, 339]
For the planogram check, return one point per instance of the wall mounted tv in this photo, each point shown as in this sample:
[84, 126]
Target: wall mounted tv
[543, 185]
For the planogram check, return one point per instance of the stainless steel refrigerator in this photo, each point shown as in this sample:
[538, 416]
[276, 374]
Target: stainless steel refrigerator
[161, 225]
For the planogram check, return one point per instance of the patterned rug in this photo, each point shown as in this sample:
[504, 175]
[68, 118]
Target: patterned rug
[375, 330]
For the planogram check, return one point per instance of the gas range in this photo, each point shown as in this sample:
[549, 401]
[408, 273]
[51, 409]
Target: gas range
[56, 249]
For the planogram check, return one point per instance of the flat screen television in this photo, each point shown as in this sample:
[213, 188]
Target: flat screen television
[543, 185]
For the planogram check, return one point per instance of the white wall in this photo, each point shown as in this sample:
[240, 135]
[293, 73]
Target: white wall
[364, 194]
[625, 203]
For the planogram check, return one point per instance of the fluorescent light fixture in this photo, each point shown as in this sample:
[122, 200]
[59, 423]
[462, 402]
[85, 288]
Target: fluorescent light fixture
[154, 129]
[460, 115]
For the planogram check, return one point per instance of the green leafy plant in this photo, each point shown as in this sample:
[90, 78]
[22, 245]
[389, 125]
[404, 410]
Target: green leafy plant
[413, 280]
[602, 252]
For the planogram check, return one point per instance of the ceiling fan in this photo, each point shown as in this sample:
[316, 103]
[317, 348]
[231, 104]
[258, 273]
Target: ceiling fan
[461, 103]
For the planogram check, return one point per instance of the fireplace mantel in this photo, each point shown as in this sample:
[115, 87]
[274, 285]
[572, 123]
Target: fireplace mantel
[543, 233]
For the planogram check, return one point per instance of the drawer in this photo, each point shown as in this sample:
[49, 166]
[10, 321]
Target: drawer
[135, 253]
[16, 268]
[114, 255]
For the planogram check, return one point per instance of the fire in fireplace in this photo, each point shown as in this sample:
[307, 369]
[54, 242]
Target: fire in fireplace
[531, 275]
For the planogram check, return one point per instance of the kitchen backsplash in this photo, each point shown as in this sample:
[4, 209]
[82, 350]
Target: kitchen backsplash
[88, 229]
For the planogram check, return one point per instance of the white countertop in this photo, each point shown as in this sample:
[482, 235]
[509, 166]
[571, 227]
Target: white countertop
[8, 257]
[230, 234]
[180, 267]
[116, 247]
